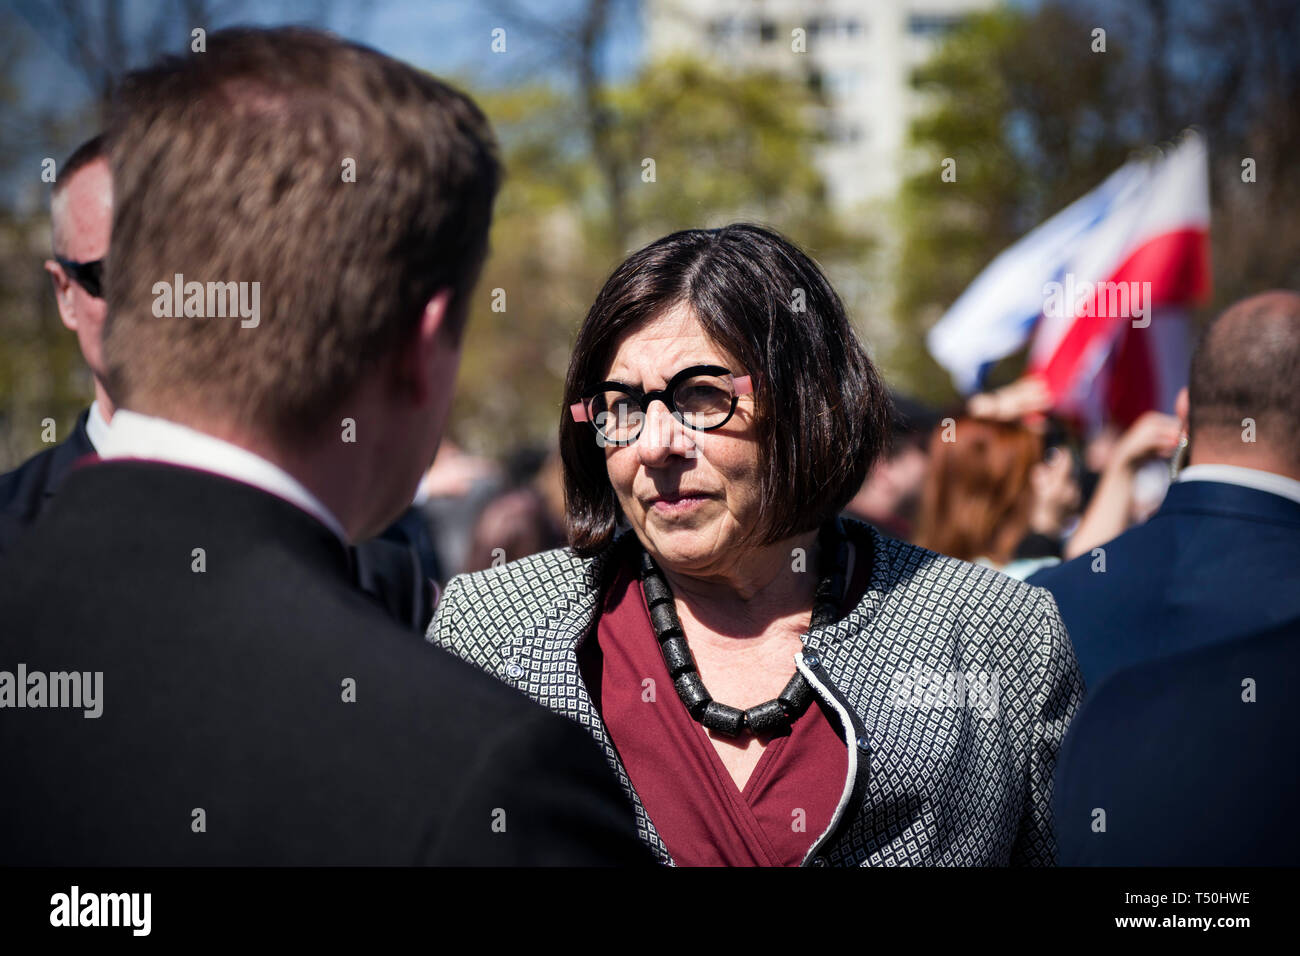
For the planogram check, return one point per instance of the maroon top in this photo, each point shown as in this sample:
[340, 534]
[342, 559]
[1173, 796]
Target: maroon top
[702, 817]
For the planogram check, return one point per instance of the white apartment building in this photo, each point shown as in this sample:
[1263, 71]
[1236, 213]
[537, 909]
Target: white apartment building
[859, 53]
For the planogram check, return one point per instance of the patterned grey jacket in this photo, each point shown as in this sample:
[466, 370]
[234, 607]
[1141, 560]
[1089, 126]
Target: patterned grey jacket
[954, 685]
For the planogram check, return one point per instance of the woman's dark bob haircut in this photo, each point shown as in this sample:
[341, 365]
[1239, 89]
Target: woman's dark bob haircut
[822, 411]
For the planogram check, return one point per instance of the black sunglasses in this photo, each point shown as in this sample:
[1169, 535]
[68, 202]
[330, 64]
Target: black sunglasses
[702, 397]
[88, 275]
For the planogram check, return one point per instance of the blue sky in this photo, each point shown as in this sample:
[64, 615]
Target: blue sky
[451, 38]
[454, 36]
[448, 37]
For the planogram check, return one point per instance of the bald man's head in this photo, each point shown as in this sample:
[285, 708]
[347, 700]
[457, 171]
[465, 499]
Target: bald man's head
[1247, 367]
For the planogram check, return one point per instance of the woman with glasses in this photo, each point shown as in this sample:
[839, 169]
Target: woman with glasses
[773, 685]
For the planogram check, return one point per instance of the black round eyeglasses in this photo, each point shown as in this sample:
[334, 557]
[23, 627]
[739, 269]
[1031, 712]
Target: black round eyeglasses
[702, 397]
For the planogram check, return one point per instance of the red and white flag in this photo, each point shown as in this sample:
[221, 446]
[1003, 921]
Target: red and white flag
[1104, 289]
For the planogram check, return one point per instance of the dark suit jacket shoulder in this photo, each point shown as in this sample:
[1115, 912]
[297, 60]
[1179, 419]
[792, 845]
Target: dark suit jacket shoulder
[26, 491]
[1216, 562]
[259, 709]
[1194, 760]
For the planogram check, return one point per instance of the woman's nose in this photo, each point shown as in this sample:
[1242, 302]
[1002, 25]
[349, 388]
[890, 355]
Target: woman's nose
[663, 436]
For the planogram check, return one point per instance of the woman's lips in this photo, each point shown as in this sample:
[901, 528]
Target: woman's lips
[677, 504]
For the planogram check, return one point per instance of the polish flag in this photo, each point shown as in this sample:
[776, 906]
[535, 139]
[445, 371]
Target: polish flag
[1103, 288]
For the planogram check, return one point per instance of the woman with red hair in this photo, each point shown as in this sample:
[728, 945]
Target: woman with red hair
[990, 490]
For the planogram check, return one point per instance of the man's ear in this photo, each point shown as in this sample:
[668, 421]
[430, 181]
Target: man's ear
[1182, 408]
[62, 294]
[416, 363]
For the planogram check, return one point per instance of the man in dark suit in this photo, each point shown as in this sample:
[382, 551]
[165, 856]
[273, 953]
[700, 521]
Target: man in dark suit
[28, 490]
[1191, 760]
[188, 674]
[1220, 560]
[81, 214]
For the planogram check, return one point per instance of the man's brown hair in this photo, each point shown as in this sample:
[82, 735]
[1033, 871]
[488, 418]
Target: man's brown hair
[236, 165]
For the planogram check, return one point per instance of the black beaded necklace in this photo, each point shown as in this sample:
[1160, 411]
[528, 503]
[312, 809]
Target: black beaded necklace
[774, 715]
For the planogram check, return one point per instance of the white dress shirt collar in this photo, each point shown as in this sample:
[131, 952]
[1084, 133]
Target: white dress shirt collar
[1245, 477]
[96, 426]
[132, 435]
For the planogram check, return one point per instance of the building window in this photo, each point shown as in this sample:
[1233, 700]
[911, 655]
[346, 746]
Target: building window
[724, 30]
[842, 84]
[932, 24]
[830, 28]
[844, 133]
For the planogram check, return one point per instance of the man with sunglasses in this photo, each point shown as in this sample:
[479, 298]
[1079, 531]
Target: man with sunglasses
[81, 215]
[396, 569]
